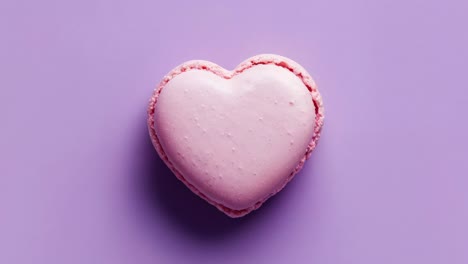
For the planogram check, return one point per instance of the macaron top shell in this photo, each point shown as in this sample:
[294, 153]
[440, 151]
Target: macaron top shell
[236, 137]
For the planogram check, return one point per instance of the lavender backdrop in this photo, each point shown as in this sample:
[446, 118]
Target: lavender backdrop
[81, 183]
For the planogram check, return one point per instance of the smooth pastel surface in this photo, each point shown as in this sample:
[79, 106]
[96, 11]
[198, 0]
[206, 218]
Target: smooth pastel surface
[80, 182]
[235, 140]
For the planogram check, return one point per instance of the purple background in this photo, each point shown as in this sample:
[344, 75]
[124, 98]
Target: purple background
[81, 183]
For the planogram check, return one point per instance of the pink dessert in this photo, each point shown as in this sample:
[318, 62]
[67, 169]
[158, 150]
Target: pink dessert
[235, 138]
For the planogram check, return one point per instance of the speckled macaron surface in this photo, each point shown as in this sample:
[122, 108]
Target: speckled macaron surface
[235, 138]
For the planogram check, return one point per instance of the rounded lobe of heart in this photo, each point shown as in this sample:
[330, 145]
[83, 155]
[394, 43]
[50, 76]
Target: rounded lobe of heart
[236, 140]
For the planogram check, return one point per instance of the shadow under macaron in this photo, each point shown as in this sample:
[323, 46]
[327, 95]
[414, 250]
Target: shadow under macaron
[163, 195]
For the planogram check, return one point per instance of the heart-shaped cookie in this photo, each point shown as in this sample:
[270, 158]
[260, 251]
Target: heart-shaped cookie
[235, 138]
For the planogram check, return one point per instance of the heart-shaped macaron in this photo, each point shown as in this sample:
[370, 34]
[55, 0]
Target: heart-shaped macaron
[235, 138]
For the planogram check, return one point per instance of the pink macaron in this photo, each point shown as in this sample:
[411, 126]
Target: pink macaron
[236, 138]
